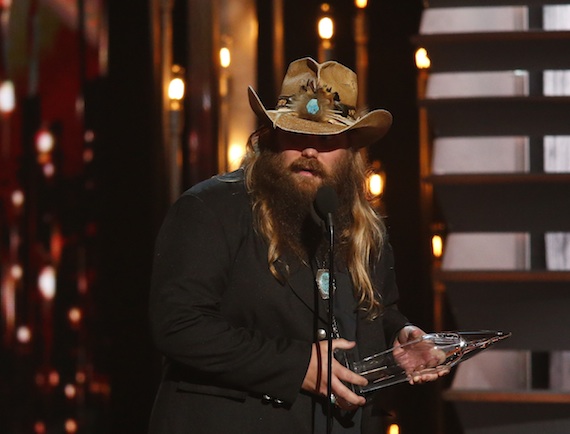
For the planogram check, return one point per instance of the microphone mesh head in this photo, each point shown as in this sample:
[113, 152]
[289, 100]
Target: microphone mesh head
[326, 201]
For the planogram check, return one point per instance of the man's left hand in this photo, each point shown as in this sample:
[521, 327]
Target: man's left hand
[421, 360]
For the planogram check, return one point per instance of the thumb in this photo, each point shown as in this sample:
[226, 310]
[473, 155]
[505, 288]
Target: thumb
[342, 344]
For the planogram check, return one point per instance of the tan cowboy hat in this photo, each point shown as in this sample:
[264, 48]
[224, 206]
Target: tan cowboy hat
[320, 99]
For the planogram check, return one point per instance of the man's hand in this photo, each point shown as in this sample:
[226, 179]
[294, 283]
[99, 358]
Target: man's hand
[316, 376]
[420, 360]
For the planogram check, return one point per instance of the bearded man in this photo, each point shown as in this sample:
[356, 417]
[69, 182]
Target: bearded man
[235, 305]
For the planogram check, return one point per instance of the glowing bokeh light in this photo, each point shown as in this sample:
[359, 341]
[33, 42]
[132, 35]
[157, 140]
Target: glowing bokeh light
[48, 169]
[375, 184]
[16, 271]
[74, 315]
[225, 57]
[39, 427]
[24, 334]
[70, 391]
[437, 246]
[70, 426]
[422, 59]
[393, 429]
[236, 151]
[46, 282]
[326, 28]
[176, 89]
[44, 141]
[17, 198]
[7, 97]
[53, 378]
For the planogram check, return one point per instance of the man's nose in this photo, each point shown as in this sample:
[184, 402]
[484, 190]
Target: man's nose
[310, 153]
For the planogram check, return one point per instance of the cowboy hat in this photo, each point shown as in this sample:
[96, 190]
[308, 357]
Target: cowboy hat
[320, 99]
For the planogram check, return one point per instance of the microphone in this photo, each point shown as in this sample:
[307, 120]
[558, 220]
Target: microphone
[325, 204]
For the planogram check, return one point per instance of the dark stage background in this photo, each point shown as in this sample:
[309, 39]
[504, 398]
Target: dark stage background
[130, 193]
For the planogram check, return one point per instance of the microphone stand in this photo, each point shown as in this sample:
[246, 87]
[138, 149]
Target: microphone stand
[330, 404]
[326, 202]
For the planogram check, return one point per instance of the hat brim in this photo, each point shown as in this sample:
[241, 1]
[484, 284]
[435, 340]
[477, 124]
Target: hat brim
[365, 131]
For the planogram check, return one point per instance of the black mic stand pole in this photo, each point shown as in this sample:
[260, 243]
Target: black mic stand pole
[326, 202]
[330, 404]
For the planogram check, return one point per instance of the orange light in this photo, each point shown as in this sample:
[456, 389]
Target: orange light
[236, 151]
[74, 315]
[88, 155]
[39, 427]
[422, 59]
[70, 391]
[53, 378]
[375, 184]
[393, 429]
[326, 28]
[225, 57]
[80, 377]
[437, 246]
[70, 426]
[176, 89]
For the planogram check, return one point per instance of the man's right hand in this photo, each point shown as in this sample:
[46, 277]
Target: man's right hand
[316, 377]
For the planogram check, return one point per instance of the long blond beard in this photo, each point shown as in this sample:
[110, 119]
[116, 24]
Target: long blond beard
[361, 232]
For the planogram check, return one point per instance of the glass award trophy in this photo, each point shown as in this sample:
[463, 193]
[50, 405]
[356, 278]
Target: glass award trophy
[432, 353]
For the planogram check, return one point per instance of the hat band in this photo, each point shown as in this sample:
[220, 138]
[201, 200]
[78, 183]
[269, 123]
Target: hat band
[316, 107]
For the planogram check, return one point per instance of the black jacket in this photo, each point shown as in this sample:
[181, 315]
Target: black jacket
[237, 343]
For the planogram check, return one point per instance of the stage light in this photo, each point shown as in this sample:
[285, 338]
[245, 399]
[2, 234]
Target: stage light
[236, 151]
[46, 282]
[53, 378]
[70, 391]
[74, 315]
[44, 141]
[70, 426]
[176, 89]
[375, 184]
[88, 155]
[376, 180]
[17, 198]
[437, 246]
[48, 169]
[39, 427]
[225, 57]
[326, 28]
[23, 334]
[80, 377]
[422, 59]
[16, 271]
[89, 136]
[7, 97]
[361, 4]
[393, 429]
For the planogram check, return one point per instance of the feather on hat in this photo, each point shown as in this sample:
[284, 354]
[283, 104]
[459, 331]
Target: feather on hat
[320, 99]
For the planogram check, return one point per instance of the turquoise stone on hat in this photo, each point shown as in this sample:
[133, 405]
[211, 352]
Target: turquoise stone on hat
[313, 106]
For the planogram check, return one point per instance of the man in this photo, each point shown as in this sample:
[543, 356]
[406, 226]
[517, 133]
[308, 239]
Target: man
[236, 308]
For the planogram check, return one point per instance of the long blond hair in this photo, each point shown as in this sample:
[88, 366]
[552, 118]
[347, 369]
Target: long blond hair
[363, 239]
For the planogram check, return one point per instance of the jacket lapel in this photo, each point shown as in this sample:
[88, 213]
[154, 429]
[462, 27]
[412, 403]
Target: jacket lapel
[301, 280]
